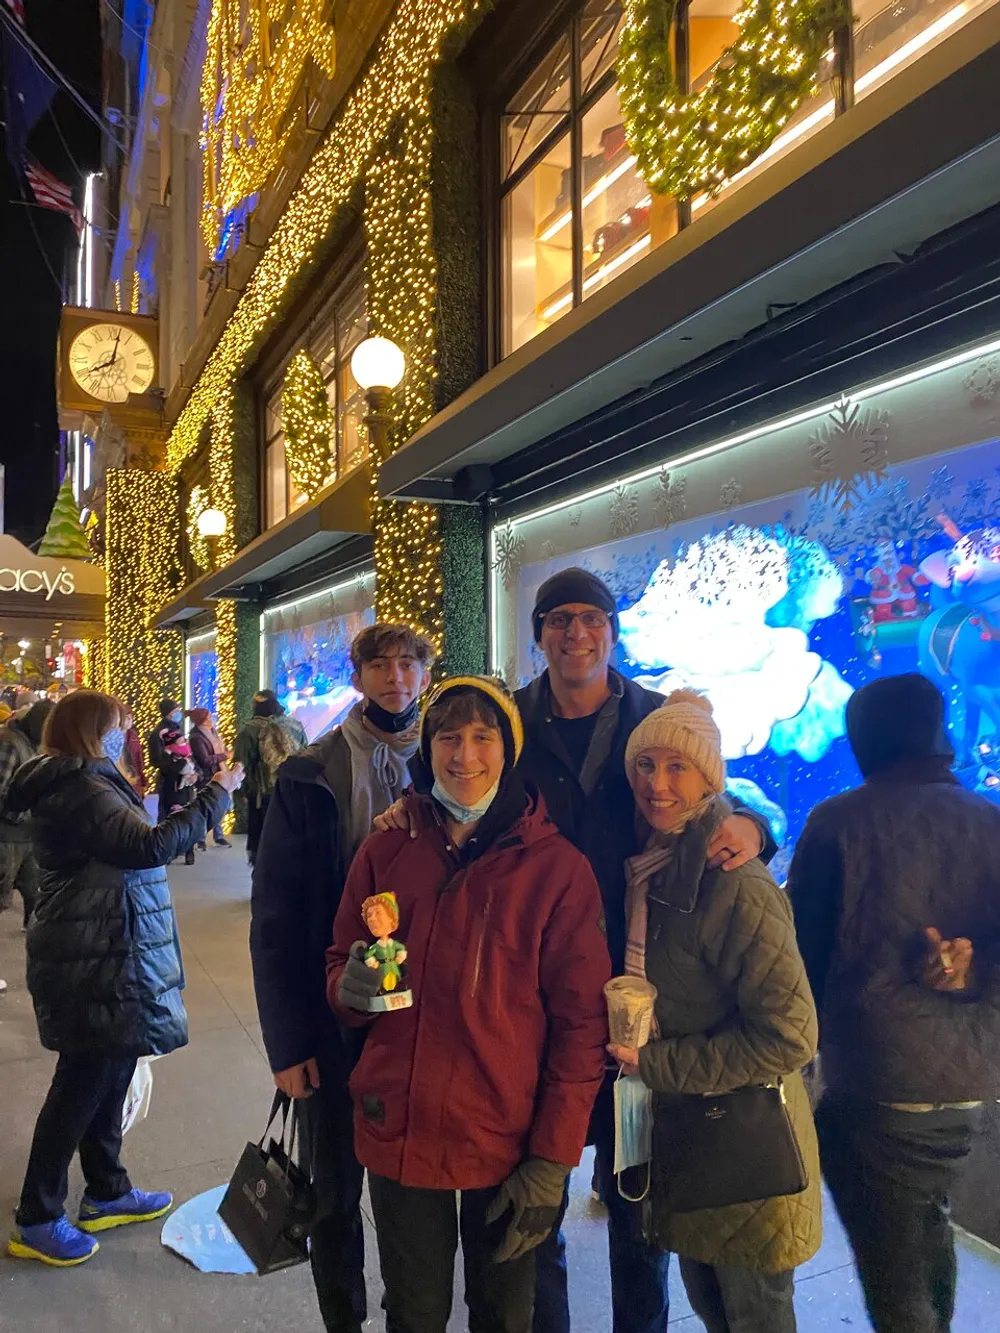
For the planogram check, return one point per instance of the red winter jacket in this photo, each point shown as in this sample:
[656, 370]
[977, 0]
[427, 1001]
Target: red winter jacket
[501, 1056]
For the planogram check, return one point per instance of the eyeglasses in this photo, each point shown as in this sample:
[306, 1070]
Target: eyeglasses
[561, 620]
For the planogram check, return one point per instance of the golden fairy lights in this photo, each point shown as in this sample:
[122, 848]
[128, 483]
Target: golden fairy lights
[307, 420]
[134, 303]
[688, 142]
[198, 501]
[255, 62]
[143, 665]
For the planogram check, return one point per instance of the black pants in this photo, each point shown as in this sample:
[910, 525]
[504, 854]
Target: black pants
[336, 1241]
[256, 810]
[418, 1232]
[18, 870]
[738, 1300]
[890, 1173]
[83, 1110]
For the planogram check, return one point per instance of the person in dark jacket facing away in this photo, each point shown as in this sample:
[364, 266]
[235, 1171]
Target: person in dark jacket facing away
[896, 896]
[578, 716]
[485, 1085]
[104, 967]
[320, 813]
[19, 742]
[270, 735]
[170, 756]
[208, 755]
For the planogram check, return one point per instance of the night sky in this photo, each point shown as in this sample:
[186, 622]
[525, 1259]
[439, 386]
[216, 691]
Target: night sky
[34, 241]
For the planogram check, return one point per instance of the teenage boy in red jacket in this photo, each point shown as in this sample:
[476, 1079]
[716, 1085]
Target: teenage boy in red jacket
[486, 1085]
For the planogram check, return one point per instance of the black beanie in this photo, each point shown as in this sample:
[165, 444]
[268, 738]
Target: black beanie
[897, 718]
[573, 585]
[167, 706]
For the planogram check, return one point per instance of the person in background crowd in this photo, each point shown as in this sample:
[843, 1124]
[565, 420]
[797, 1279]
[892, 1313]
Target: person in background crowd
[170, 756]
[897, 901]
[262, 746]
[209, 755]
[104, 967]
[132, 755]
[485, 1085]
[6, 713]
[20, 739]
[733, 1009]
[578, 716]
[320, 813]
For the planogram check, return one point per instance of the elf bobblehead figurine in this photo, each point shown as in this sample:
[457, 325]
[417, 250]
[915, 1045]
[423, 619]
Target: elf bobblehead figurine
[380, 913]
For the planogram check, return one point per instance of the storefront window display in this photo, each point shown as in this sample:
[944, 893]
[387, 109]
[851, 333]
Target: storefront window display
[202, 672]
[778, 573]
[305, 651]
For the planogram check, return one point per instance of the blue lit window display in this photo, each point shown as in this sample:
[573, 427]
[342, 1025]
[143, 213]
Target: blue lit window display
[202, 672]
[780, 572]
[305, 651]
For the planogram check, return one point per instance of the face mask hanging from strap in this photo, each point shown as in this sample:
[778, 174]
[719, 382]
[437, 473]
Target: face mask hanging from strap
[633, 1130]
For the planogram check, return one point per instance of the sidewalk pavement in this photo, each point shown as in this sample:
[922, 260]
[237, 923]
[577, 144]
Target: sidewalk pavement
[213, 1096]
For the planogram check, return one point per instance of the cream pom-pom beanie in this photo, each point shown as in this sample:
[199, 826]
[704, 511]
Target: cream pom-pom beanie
[685, 724]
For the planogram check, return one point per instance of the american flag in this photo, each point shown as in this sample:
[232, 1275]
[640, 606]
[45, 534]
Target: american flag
[51, 192]
[16, 7]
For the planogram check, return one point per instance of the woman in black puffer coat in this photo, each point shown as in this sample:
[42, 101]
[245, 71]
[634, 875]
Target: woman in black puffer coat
[104, 966]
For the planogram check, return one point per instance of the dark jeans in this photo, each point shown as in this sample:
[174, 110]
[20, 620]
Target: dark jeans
[418, 1232]
[890, 1173]
[336, 1241]
[83, 1110]
[738, 1300]
[18, 870]
[639, 1300]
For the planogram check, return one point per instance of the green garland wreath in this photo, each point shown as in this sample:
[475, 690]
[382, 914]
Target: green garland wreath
[689, 142]
[308, 424]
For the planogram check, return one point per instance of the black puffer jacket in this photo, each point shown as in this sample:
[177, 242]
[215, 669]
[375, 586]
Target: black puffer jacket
[104, 966]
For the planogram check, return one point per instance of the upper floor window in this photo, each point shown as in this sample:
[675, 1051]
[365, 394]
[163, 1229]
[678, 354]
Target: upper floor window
[574, 211]
[336, 331]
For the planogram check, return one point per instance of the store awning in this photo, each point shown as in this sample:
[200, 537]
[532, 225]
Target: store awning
[48, 598]
[905, 164]
[336, 516]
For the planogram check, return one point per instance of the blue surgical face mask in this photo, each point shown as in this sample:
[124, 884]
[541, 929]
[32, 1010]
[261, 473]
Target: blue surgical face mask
[633, 1129]
[114, 744]
[465, 814]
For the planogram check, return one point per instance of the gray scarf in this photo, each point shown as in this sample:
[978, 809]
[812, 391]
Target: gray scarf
[379, 772]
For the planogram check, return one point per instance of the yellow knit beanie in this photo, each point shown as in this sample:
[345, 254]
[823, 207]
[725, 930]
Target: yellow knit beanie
[685, 724]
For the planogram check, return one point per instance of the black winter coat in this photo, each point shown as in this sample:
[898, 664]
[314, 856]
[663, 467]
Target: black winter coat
[298, 881]
[872, 870]
[104, 965]
[602, 824]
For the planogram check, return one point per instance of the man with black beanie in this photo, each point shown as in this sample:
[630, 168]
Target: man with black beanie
[897, 902]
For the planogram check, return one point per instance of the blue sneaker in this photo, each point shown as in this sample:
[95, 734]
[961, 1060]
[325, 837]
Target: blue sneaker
[58, 1243]
[135, 1206]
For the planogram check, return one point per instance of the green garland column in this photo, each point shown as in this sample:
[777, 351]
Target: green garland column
[457, 228]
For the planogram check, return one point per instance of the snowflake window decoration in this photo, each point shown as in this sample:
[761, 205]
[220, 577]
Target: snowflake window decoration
[982, 383]
[575, 515]
[850, 455]
[624, 511]
[730, 493]
[670, 503]
[508, 552]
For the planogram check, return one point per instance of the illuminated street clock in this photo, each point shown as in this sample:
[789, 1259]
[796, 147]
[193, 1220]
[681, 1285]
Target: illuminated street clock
[110, 361]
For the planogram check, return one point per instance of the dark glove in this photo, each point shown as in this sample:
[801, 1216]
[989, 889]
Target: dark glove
[534, 1193]
[358, 983]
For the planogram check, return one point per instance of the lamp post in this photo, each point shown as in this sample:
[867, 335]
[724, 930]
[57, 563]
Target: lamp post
[212, 524]
[378, 366]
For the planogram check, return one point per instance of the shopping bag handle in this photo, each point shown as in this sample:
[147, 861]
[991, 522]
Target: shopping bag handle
[283, 1103]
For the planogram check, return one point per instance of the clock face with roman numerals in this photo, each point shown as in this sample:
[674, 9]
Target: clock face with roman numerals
[111, 361]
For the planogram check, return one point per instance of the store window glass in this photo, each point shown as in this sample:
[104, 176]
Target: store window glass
[305, 651]
[202, 674]
[538, 238]
[888, 37]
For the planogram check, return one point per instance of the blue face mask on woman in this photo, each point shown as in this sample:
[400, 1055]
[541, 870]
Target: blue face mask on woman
[114, 744]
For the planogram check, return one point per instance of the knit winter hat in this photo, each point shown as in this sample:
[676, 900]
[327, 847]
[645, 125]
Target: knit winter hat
[897, 718]
[199, 716]
[569, 586]
[494, 693]
[685, 724]
[167, 706]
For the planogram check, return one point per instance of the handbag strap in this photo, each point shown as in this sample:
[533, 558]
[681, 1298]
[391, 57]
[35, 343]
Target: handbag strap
[281, 1103]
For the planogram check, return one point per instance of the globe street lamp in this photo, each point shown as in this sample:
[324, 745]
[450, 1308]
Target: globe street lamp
[212, 525]
[378, 366]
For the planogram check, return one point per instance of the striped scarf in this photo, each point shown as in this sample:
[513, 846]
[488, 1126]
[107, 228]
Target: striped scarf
[639, 871]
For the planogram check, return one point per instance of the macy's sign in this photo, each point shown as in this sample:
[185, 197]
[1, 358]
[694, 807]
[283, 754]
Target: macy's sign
[37, 581]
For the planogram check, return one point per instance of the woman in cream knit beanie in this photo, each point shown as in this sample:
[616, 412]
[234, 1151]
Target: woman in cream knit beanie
[674, 761]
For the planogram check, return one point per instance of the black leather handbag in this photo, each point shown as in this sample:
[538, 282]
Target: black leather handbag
[710, 1152]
